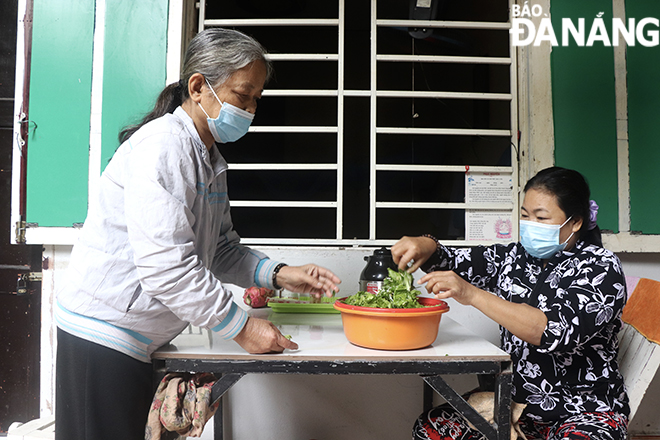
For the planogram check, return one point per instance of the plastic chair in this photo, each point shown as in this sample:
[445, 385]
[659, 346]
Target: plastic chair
[639, 357]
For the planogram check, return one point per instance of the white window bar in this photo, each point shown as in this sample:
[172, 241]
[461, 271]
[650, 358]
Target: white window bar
[437, 24]
[443, 95]
[293, 92]
[444, 59]
[513, 87]
[292, 129]
[299, 92]
[302, 57]
[447, 131]
[372, 123]
[283, 166]
[446, 205]
[278, 21]
[445, 168]
[281, 204]
[340, 122]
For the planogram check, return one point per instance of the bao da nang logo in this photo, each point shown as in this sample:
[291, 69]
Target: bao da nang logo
[581, 32]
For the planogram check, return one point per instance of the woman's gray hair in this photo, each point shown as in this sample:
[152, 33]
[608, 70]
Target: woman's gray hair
[218, 53]
[215, 53]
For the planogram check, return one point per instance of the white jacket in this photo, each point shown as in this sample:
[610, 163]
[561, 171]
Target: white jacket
[157, 244]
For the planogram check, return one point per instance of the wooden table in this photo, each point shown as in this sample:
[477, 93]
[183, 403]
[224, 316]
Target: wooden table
[325, 350]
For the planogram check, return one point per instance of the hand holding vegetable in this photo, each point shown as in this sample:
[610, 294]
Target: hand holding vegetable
[415, 249]
[526, 322]
[261, 336]
[397, 293]
[447, 284]
[310, 279]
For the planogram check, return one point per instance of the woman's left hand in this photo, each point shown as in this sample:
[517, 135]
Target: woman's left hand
[446, 284]
[526, 322]
[310, 278]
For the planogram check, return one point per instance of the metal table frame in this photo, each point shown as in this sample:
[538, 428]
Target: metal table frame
[231, 371]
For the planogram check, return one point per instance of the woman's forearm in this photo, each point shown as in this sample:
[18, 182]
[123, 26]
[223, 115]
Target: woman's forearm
[524, 321]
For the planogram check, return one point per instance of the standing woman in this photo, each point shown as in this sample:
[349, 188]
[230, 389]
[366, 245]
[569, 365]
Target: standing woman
[159, 243]
[558, 296]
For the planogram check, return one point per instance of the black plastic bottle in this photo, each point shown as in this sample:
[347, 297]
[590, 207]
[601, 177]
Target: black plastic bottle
[373, 274]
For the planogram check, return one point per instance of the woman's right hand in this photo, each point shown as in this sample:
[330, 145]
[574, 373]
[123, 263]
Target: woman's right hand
[415, 249]
[261, 336]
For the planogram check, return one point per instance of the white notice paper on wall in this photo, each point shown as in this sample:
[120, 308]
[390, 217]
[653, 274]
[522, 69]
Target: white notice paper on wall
[488, 225]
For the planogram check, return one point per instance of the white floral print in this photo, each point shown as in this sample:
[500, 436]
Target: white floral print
[582, 293]
[543, 395]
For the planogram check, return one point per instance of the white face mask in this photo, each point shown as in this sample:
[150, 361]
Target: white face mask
[231, 124]
[541, 240]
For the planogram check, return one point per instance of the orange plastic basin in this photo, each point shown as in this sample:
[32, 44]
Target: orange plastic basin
[392, 329]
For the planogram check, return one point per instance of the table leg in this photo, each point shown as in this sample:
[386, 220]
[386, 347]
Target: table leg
[427, 402]
[460, 405]
[503, 387]
[220, 387]
[218, 428]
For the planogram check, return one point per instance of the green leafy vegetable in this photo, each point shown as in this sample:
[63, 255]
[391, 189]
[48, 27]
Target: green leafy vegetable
[397, 293]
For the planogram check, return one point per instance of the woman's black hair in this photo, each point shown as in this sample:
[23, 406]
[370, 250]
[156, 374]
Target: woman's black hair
[572, 192]
[217, 54]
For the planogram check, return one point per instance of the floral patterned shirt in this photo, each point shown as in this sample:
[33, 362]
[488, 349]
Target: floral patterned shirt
[582, 292]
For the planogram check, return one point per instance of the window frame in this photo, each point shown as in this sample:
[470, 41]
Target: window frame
[373, 94]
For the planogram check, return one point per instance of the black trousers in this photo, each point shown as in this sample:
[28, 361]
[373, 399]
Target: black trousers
[99, 393]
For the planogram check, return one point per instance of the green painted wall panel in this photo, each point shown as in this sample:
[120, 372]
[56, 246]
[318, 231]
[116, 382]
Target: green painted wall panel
[644, 124]
[60, 99]
[584, 107]
[134, 66]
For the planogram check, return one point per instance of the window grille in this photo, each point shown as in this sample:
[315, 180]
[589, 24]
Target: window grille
[338, 102]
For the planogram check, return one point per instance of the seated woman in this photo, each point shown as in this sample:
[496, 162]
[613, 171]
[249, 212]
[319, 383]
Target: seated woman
[557, 296]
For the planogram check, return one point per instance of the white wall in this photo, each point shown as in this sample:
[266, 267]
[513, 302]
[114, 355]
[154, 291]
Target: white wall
[641, 265]
[328, 407]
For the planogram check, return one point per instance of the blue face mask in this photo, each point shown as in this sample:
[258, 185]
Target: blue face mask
[231, 124]
[541, 240]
